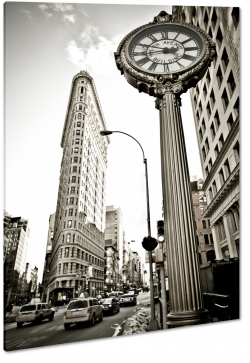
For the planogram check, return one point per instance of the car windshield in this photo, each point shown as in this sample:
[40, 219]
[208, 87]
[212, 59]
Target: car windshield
[127, 295]
[113, 294]
[78, 304]
[28, 308]
[107, 301]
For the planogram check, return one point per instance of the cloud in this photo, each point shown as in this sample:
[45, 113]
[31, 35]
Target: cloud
[62, 7]
[69, 18]
[27, 13]
[45, 7]
[94, 52]
[84, 12]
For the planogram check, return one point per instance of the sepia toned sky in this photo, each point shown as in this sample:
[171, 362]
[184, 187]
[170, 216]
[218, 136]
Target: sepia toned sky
[46, 44]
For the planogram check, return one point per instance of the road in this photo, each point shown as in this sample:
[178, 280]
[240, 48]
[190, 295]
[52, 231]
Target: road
[52, 332]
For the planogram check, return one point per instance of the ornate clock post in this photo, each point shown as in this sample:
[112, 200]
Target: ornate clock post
[164, 59]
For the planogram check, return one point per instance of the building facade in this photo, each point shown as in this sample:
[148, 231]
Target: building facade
[16, 234]
[203, 231]
[77, 255]
[215, 102]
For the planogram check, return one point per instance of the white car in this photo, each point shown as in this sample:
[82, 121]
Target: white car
[82, 310]
[34, 313]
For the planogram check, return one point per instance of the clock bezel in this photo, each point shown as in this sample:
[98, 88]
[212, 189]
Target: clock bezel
[170, 25]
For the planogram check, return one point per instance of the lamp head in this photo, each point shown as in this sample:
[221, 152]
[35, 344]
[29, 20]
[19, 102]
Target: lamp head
[105, 133]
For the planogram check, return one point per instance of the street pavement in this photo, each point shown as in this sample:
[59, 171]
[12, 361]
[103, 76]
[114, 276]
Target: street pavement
[50, 333]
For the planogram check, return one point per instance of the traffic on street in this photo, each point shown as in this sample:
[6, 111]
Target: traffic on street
[52, 332]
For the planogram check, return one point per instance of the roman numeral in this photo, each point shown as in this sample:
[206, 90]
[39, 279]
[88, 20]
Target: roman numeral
[180, 65]
[142, 61]
[152, 67]
[140, 53]
[191, 48]
[164, 35]
[143, 45]
[185, 41]
[166, 69]
[188, 57]
[152, 37]
[176, 36]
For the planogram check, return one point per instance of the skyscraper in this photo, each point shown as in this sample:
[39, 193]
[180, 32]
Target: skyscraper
[215, 102]
[16, 232]
[77, 256]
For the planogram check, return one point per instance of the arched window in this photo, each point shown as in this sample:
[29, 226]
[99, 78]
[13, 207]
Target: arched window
[68, 237]
[79, 116]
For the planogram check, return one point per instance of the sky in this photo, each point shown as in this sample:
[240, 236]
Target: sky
[46, 44]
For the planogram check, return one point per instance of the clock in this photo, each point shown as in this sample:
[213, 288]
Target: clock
[165, 48]
[165, 55]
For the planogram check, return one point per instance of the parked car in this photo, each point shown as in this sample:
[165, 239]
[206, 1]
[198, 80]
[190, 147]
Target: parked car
[34, 313]
[82, 310]
[110, 306]
[116, 294]
[128, 299]
[145, 288]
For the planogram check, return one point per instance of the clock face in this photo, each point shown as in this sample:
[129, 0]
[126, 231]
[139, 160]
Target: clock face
[166, 48]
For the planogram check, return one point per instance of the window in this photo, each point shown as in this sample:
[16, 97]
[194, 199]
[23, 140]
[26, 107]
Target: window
[73, 179]
[205, 20]
[236, 150]
[217, 120]
[221, 141]
[72, 190]
[221, 175]
[216, 150]
[203, 126]
[214, 187]
[78, 124]
[208, 110]
[226, 167]
[212, 130]
[66, 252]
[236, 108]
[195, 101]
[79, 116]
[80, 107]
[200, 134]
[219, 37]
[219, 77]
[214, 19]
[206, 239]
[212, 99]
[205, 91]
[230, 122]
[208, 78]
[236, 16]
[225, 59]
[225, 100]
[231, 83]
[69, 224]
[78, 132]
[77, 141]
[76, 149]
[74, 169]
[71, 200]
[71, 211]
[207, 145]
[204, 223]
[204, 153]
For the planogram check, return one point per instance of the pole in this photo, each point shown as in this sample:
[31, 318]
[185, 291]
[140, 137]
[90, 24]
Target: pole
[164, 297]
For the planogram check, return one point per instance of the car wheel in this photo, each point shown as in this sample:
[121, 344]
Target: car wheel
[51, 317]
[92, 321]
[40, 319]
[19, 325]
[66, 326]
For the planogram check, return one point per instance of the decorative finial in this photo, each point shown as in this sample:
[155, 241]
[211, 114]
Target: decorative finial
[162, 17]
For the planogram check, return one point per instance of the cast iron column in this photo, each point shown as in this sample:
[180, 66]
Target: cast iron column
[186, 300]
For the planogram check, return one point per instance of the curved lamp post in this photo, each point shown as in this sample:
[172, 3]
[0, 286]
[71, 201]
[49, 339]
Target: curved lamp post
[153, 322]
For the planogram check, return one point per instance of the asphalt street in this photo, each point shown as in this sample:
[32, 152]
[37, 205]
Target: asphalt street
[52, 332]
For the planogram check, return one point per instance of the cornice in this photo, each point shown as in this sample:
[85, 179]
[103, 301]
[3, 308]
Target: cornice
[223, 192]
[233, 132]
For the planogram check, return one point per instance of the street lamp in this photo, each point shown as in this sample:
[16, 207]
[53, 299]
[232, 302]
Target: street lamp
[147, 240]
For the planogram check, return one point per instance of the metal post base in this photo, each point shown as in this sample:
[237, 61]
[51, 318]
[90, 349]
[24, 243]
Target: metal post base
[153, 325]
[188, 318]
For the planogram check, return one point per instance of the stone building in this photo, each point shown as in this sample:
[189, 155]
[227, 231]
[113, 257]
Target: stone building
[215, 103]
[204, 236]
[16, 233]
[77, 255]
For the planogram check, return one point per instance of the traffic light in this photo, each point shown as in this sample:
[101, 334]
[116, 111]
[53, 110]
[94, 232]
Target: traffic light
[149, 243]
[160, 231]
